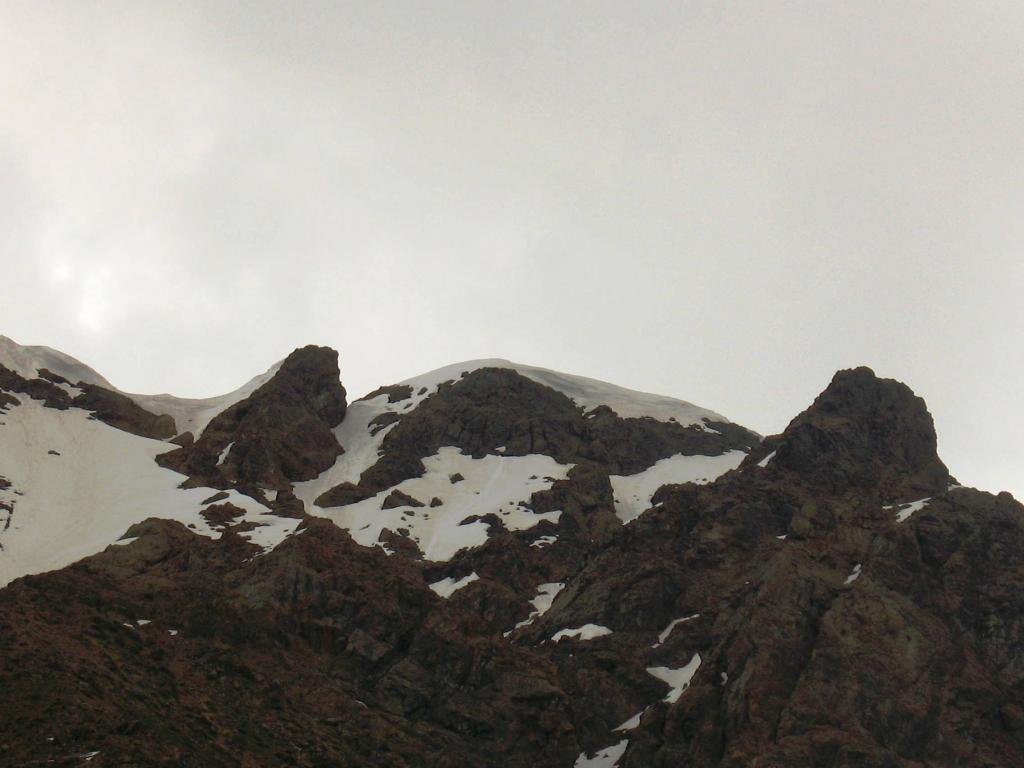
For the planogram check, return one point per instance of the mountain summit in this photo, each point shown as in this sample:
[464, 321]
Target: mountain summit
[493, 564]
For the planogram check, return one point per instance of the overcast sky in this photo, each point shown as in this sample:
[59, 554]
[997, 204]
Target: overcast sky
[723, 202]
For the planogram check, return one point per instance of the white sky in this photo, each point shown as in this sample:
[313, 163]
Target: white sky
[723, 202]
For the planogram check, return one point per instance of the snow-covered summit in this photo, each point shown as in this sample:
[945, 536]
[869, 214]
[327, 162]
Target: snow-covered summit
[193, 414]
[190, 414]
[27, 361]
[586, 392]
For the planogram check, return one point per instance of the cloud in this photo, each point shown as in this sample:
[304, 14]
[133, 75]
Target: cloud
[723, 202]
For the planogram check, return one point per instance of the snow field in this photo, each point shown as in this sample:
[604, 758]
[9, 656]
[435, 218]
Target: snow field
[75, 504]
[493, 484]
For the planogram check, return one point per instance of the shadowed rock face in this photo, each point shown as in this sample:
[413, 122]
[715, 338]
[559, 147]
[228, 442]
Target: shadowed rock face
[834, 626]
[278, 435]
[864, 432]
[318, 653]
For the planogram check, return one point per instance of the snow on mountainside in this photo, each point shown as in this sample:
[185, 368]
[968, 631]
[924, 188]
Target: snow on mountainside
[28, 361]
[76, 483]
[362, 442]
[189, 414]
[193, 414]
[494, 483]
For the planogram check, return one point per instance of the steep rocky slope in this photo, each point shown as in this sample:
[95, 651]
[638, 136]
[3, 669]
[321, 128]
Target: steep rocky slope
[499, 565]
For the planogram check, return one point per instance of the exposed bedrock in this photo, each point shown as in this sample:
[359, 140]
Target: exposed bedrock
[280, 434]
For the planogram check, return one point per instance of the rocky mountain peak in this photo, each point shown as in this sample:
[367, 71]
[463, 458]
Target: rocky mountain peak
[308, 376]
[279, 434]
[864, 431]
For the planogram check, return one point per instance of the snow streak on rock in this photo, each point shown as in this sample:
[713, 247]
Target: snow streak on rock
[679, 679]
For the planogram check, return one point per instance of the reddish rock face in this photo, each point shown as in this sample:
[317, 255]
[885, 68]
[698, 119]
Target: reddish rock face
[821, 620]
[864, 432]
[278, 435]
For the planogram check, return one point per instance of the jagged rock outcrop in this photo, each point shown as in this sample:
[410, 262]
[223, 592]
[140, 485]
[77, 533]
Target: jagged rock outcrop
[864, 432]
[280, 434]
[831, 629]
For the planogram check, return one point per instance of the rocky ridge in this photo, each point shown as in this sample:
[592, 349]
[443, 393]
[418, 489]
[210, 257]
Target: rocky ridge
[833, 600]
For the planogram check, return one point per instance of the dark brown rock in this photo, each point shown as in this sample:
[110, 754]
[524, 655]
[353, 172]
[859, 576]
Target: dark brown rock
[281, 433]
[123, 413]
[37, 389]
[342, 494]
[396, 393]
[864, 432]
[398, 499]
[185, 439]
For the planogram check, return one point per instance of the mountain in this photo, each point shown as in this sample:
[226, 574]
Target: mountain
[493, 564]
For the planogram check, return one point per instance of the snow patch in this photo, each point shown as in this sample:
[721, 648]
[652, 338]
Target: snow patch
[908, 509]
[546, 594]
[543, 541]
[605, 758]
[764, 462]
[854, 575]
[586, 632]
[632, 723]
[448, 586]
[194, 414]
[678, 679]
[633, 493]
[362, 449]
[224, 453]
[107, 480]
[73, 392]
[664, 634]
